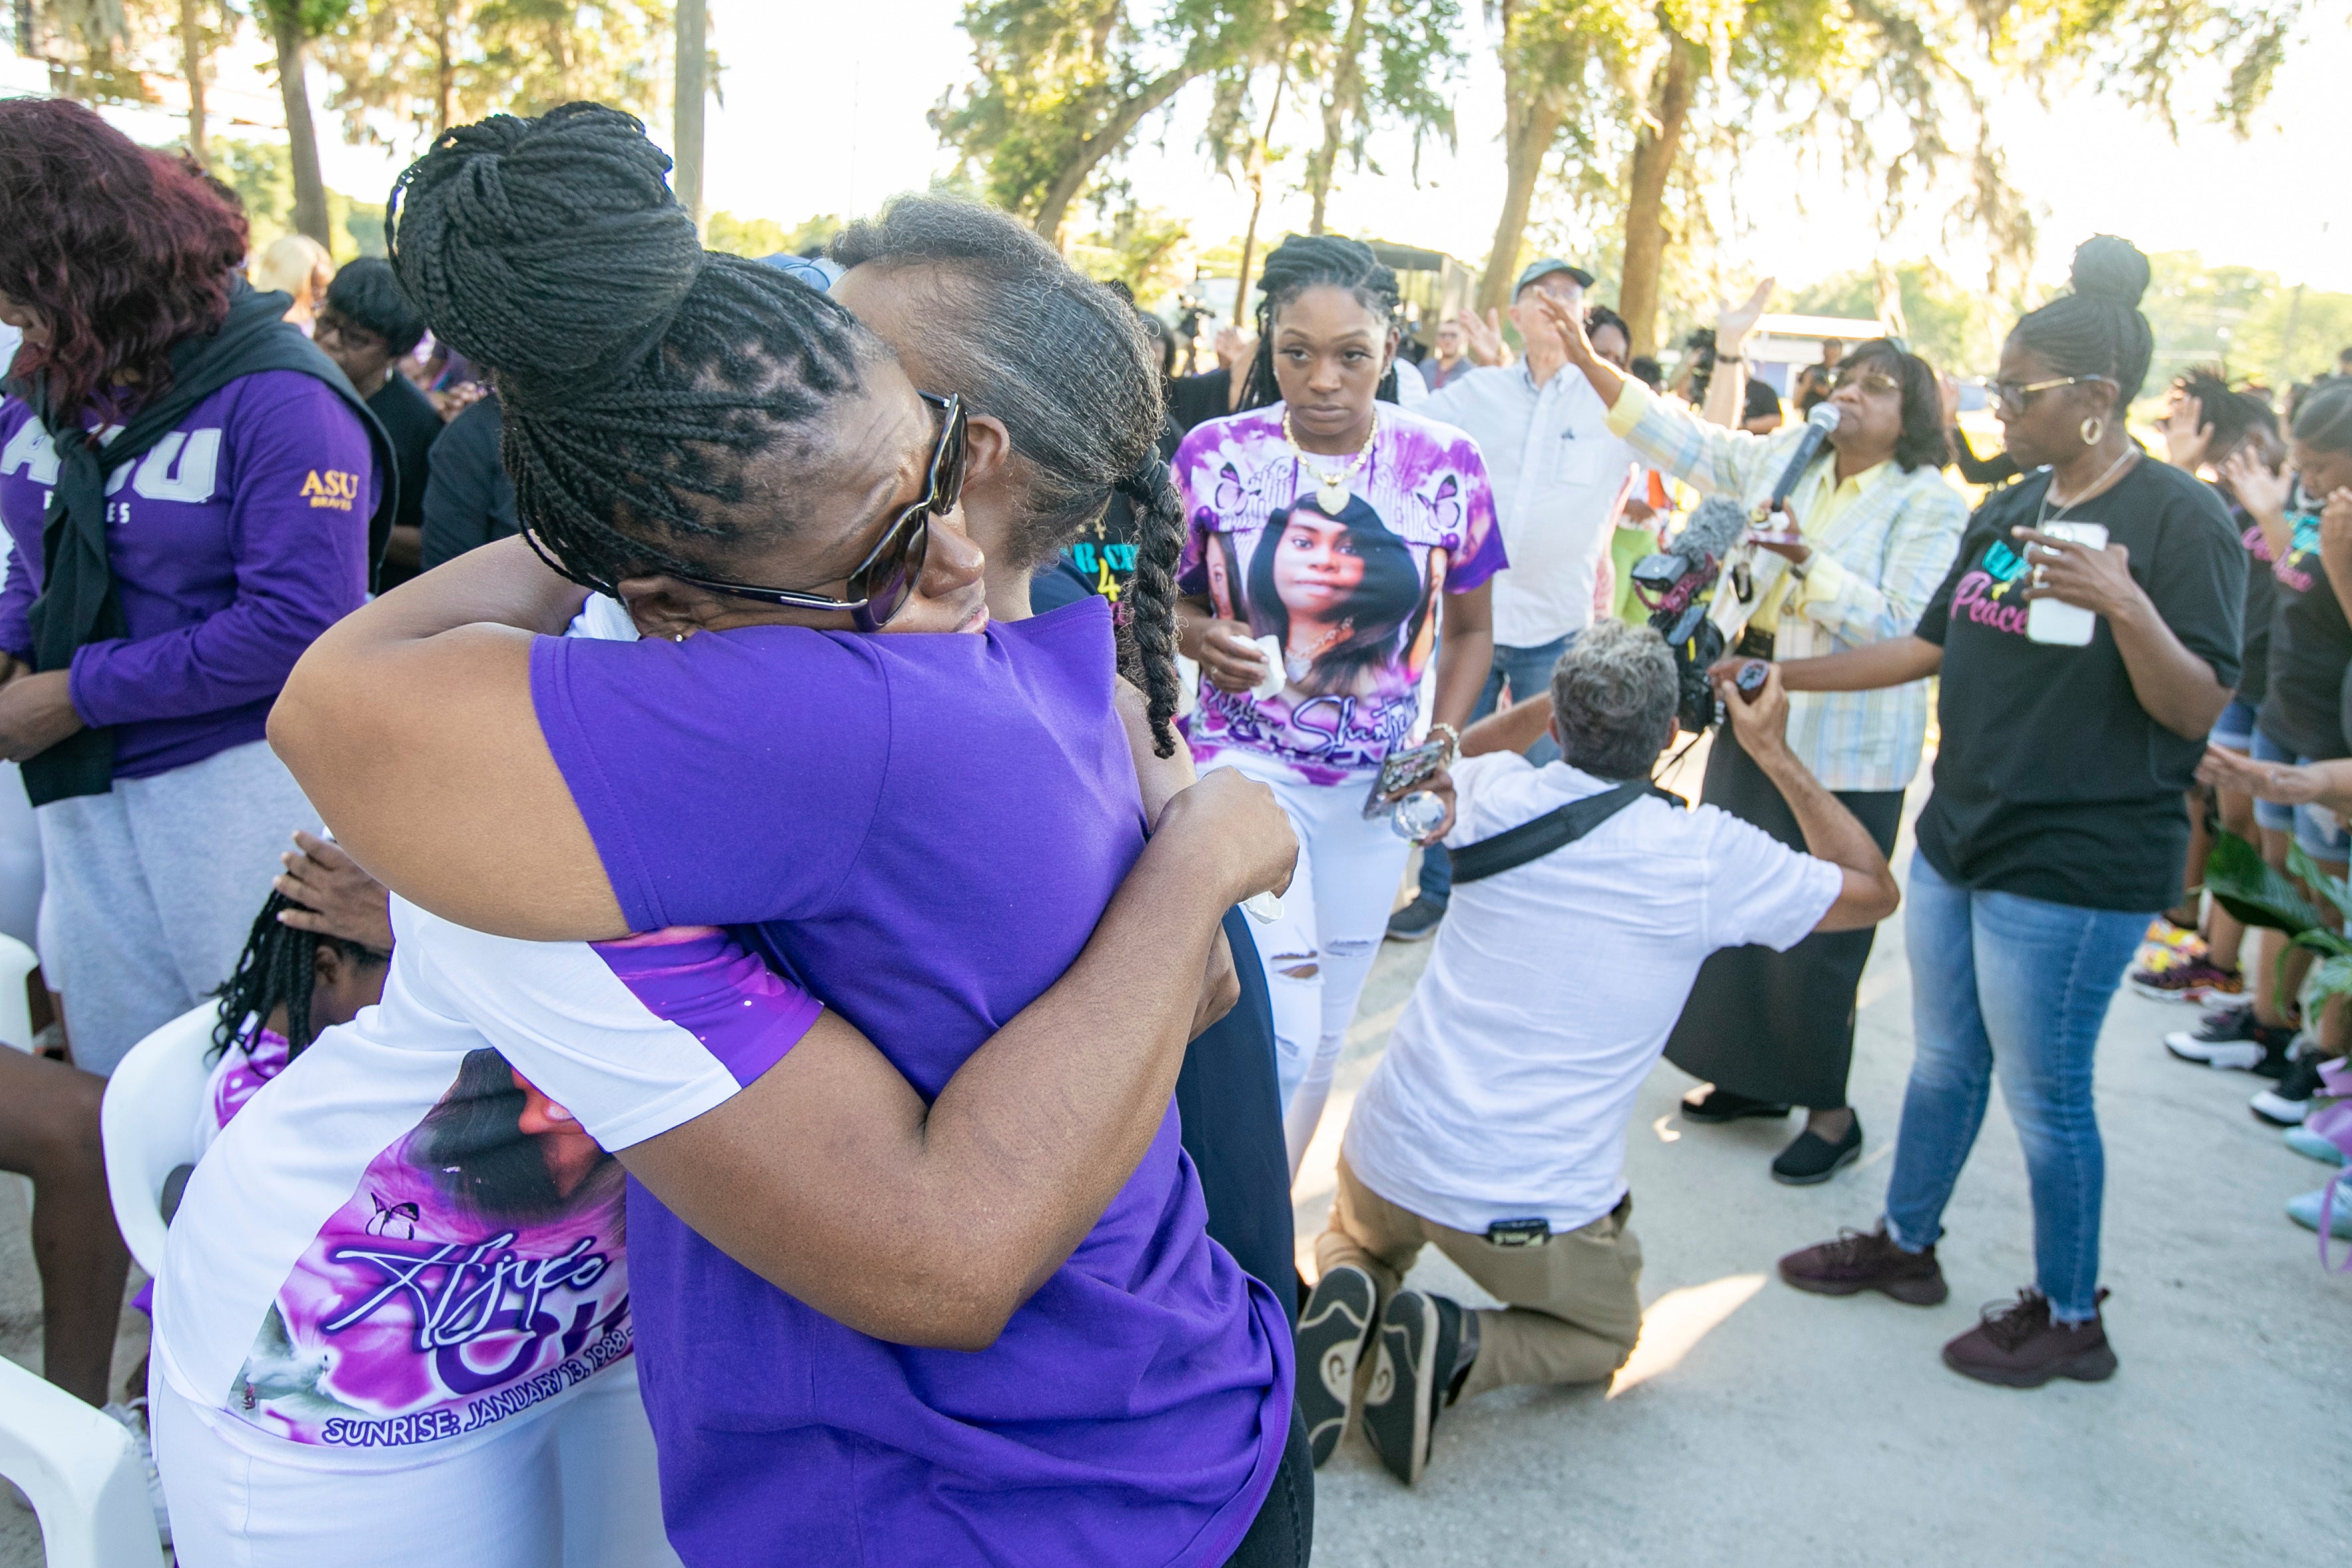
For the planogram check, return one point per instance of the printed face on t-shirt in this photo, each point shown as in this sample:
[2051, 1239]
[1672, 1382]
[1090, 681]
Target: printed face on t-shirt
[1345, 578]
[477, 1258]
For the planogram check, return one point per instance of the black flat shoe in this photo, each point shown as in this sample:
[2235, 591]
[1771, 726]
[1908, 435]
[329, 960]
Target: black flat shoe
[1813, 1158]
[1723, 1105]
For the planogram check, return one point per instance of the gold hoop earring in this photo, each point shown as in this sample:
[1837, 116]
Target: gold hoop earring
[2093, 428]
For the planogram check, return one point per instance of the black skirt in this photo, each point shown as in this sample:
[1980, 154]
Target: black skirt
[1777, 1026]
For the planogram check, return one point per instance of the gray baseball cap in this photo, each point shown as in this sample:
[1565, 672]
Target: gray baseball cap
[1544, 267]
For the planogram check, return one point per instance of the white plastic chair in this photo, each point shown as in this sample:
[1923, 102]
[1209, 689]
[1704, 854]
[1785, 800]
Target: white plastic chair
[147, 1123]
[86, 1480]
[16, 964]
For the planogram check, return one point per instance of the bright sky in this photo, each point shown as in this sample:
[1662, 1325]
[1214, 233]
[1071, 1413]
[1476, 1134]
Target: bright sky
[825, 110]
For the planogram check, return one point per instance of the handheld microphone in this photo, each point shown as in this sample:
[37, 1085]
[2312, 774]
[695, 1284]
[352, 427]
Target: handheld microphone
[1818, 424]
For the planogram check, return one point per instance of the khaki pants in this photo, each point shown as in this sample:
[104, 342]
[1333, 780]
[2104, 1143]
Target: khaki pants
[1575, 1304]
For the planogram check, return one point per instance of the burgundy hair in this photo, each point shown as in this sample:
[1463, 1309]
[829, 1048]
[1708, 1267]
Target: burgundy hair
[121, 251]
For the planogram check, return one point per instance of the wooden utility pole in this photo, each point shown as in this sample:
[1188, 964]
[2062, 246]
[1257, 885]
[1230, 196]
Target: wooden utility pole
[693, 83]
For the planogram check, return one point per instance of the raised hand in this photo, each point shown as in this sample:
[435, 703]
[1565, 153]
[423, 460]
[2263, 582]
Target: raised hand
[1485, 345]
[2187, 436]
[1733, 323]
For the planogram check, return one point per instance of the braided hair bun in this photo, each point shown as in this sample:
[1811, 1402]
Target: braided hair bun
[2109, 269]
[550, 250]
[2097, 330]
[658, 400]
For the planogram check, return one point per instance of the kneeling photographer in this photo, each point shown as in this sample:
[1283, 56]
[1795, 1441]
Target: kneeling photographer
[1585, 900]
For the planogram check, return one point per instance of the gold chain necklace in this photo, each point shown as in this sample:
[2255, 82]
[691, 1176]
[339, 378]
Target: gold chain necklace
[1331, 489]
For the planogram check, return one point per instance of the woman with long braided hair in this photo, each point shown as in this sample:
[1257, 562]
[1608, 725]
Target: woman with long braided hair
[860, 1321]
[1327, 526]
[290, 985]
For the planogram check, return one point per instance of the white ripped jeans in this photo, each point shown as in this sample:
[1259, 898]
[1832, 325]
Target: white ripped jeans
[1319, 955]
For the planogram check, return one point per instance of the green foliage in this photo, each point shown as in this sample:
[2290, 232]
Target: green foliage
[1139, 246]
[2243, 319]
[262, 175]
[765, 236]
[1953, 328]
[405, 69]
[2255, 892]
[1063, 85]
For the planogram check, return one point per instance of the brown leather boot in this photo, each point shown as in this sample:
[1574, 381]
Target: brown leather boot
[2020, 1345]
[1860, 1261]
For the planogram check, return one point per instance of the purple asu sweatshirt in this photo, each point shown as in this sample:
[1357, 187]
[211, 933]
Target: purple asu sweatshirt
[237, 540]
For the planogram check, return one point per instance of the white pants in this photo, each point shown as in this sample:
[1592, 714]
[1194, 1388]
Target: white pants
[153, 888]
[1319, 955]
[574, 1488]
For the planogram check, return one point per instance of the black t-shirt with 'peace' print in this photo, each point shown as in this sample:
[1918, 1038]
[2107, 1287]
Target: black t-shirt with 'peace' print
[2051, 780]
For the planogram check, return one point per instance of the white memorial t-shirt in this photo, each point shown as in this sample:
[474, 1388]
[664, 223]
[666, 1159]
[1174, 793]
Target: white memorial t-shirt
[409, 1240]
[1550, 994]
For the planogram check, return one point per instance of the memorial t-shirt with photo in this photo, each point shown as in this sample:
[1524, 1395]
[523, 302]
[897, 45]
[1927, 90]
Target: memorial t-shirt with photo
[1348, 583]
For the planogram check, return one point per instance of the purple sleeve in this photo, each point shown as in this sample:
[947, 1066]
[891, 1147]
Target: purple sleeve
[20, 504]
[302, 487]
[710, 985]
[1482, 536]
[16, 607]
[726, 780]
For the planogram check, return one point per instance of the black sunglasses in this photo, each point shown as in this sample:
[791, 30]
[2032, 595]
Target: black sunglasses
[882, 582]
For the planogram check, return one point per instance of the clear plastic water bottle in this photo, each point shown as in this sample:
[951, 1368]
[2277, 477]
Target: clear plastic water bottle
[1417, 816]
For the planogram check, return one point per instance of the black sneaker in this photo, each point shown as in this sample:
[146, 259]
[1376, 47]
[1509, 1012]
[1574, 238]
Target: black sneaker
[1416, 922]
[1419, 1367]
[2232, 1037]
[1723, 1105]
[2287, 1104]
[1813, 1159]
[1333, 1329]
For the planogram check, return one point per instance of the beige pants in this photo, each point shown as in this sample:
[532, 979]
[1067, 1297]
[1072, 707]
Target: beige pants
[1575, 1303]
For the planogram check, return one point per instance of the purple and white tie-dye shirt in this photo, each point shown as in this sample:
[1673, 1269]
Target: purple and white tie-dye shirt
[415, 1236]
[1353, 597]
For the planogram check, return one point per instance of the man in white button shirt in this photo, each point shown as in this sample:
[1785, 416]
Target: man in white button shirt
[1560, 478]
[1494, 1125]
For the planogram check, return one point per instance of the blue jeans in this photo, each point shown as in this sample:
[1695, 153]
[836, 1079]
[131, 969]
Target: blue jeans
[2018, 987]
[1527, 672]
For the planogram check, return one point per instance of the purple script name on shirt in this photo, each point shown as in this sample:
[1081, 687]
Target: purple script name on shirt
[476, 1271]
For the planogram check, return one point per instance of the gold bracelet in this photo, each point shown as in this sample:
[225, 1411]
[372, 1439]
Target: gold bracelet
[1453, 736]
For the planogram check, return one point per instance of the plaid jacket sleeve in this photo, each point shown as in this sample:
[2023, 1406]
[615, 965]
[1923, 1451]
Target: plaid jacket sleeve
[1717, 462]
[1858, 607]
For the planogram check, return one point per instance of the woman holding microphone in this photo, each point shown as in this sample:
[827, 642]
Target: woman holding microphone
[1875, 525]
[2056, 827]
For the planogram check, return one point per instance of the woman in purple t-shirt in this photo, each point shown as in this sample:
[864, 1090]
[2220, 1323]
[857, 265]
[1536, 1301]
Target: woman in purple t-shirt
[927, 829]
[1330, 528]
[159, 588]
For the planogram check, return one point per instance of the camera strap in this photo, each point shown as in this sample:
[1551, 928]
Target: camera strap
[1552, 830]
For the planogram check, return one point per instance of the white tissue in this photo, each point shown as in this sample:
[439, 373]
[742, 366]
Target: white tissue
[1270, 648]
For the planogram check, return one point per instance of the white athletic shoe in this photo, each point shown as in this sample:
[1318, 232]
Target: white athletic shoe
[133, 1417]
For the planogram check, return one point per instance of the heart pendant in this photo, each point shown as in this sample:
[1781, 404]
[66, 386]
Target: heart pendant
[1332, 496]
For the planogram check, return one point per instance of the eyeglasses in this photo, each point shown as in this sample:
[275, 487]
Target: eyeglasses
[1876, 383]
[882, 582]
[342, 328]
[2012, 396]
